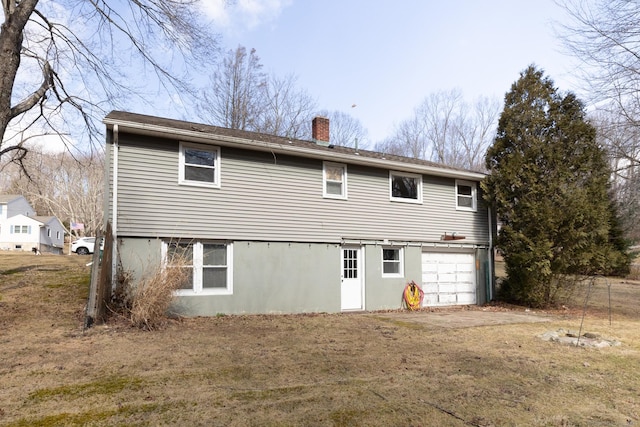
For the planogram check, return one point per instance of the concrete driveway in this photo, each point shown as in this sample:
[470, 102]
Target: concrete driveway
[462, 317]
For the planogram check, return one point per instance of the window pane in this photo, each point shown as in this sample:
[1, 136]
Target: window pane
[214, 254]
[391, 267]
[188, 284]
[199, 157]
[333, 173]
[334, 188]
[180, 253]
[405, 187]
[213, 277]
[464, 190]
[391, 254]
[465, 202]
[195, 173]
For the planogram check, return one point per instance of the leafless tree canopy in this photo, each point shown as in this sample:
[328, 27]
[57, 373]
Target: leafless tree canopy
[241, 96]
[71, 188]
[64, 63]
[445, 129]
[232, 99]
[620, 137]
[346, 130]
[604, 35]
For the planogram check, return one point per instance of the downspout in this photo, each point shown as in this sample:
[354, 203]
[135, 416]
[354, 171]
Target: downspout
[490, 258]
[114, 210]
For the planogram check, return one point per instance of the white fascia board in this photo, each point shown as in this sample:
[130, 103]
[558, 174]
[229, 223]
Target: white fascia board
[230, 141]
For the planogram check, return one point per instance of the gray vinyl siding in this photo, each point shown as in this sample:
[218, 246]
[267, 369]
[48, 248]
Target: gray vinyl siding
[269, 197]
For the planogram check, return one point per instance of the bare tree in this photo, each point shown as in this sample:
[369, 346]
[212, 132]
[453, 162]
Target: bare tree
[604, 35]
[286, 110]
[620, 138]
[64, 63]
[71, 188]
[233, 98]
[345, 130]
[445, 129]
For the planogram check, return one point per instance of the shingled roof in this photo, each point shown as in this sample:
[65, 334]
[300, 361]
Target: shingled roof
[159, 126]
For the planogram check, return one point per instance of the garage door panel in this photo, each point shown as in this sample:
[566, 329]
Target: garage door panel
[465, 278]
[447, 278]
[449, 299]
[465, 288]
[429, 277]
[447, 288]
[447, 268]
[466, 298]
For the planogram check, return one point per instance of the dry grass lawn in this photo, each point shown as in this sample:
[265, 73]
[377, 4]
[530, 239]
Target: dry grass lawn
[305, 370]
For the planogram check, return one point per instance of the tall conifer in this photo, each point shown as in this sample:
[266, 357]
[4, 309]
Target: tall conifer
[548, 183]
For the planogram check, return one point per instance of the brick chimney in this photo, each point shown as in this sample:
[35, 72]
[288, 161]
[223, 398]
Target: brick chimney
[320, 131]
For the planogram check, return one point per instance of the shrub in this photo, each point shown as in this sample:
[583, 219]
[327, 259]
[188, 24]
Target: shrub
[146, 303]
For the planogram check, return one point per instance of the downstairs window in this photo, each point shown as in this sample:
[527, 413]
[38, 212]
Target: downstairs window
[209, 263]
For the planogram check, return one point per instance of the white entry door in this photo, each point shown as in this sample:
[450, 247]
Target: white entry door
[352, 288]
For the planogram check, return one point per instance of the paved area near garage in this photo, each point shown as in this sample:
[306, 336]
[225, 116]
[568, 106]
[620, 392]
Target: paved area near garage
[463, 318]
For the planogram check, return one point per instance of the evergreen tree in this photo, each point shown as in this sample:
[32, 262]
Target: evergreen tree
[548, 183]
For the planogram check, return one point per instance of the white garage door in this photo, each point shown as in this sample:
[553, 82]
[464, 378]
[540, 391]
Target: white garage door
[448, 278]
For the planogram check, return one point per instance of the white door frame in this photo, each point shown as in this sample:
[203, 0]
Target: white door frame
[352, 288]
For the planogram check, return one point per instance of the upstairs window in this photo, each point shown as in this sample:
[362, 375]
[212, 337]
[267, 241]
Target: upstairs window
[466, 196]
[405, 187]
[335, 180]
[199, 165]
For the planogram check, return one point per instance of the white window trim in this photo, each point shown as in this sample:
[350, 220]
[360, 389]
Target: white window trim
[342, 196]
[400, 272]
[217, 166]
[474, 196]
[197, 271]
[402, 199]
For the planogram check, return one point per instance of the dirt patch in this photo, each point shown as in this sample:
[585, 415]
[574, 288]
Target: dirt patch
[577, 339]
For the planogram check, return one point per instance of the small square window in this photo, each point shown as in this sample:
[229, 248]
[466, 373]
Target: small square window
[392, 262]
[335, 180]
[405, 187]
[199, 165]
[466, 196]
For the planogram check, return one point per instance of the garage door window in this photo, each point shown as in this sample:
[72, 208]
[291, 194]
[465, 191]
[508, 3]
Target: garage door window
[392, 262]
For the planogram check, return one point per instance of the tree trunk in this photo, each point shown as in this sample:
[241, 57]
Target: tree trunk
[11, 36]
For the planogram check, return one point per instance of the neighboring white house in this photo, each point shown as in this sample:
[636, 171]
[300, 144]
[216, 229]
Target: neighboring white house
[22, 230]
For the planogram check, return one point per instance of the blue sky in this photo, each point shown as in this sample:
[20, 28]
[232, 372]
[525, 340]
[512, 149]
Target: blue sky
[387, 56]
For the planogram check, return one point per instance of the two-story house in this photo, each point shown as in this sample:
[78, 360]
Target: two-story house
[276, 225]
[21, 229]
